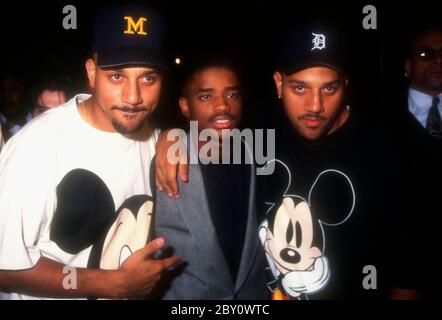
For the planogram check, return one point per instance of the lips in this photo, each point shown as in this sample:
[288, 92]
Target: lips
[222, 122]
[312, 122]
[130, 113]
[130, 110]
[133, 114]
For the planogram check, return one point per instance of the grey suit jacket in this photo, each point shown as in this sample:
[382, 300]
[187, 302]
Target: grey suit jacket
[187, 227]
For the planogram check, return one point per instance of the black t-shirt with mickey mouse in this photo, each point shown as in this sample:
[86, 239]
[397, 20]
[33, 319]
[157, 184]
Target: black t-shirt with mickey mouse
[343, 246]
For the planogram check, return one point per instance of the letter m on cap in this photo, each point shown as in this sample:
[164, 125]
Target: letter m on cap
[135, 27]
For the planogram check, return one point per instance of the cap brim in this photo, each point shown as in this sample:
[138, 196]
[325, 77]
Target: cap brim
[130, 56]
[296, 64]
[298, 67]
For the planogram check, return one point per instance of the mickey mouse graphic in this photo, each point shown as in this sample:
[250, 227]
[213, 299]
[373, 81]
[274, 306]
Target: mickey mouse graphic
[293, 232]
[85, 217]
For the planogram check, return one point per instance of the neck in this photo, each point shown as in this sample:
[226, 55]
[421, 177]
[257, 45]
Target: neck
[143, 134]
[89, 111]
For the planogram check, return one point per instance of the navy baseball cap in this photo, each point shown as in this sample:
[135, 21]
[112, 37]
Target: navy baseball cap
[128, 35]
[312, 45]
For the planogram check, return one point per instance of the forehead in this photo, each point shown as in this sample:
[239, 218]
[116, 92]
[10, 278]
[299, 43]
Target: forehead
[315, 74]
[431, 38]
[213, 77]
[50, 98]
[130, 70]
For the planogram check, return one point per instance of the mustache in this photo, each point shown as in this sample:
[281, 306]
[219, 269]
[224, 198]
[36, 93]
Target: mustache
[130, 109]
[222, 114]
[315, 116]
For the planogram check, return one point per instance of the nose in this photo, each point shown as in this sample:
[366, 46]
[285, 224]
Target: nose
[315, 104]
[131, 93]
[290, 255]
[221, 104]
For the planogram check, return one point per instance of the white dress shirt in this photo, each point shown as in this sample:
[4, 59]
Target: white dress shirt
[419, 105]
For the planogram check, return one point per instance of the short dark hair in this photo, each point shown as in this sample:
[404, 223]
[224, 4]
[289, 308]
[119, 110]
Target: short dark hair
[51, 82]
[418, 32]
[204, 61]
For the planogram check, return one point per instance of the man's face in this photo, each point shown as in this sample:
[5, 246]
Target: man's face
[312, 100]
[213, 99]
[425, 70]
[47, 100]
[125, 97]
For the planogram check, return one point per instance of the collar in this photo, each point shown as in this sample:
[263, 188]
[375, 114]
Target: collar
[419, 101]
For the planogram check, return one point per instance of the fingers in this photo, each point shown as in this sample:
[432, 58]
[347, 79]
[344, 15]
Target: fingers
[183, 168]
[172, 261]
[173, 170]
[164, 185]
[158, 177]
[151, 247]
[166, 172]
[171, 182]
[161, 159]
[166, 180]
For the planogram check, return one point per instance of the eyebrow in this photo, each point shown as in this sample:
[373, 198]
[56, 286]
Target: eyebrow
[303, 83]
[207, 90]
[121, 70]
[204, 90]
[297, 82]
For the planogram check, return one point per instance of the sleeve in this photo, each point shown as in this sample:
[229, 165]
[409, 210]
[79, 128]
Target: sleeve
[27, 199]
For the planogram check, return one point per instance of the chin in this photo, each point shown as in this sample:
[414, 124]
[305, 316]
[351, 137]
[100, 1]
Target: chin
[312, 135]
[126, 129]
[307, 133]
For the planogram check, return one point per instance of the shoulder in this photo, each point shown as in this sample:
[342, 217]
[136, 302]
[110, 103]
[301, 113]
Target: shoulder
[42, 133]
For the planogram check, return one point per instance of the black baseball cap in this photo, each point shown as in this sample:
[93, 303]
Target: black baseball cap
[126, 35]
[312, 45]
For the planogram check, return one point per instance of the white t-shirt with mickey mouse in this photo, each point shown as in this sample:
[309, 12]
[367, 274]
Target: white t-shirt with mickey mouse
[33, 163]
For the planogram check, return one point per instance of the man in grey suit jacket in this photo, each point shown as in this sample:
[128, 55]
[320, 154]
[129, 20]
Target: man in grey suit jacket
[213, 225]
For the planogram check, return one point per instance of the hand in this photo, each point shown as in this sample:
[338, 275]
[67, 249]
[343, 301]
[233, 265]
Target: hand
[139, 273]
[166, 172]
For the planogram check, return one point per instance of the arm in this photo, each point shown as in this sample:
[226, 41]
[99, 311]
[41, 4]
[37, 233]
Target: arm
[136, 277]
[166, 172]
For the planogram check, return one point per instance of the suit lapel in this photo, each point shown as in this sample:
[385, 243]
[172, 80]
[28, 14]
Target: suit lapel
[194, 209]
[251, 242]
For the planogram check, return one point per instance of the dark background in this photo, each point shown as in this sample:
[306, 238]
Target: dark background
[34, 41]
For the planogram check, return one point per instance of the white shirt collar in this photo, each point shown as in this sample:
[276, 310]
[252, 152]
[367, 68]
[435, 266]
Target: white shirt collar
[419, 104]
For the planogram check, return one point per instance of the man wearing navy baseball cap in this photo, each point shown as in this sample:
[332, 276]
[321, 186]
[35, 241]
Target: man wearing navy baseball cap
[317, 53]
[125, 36]
[339, 246]
[75, 221]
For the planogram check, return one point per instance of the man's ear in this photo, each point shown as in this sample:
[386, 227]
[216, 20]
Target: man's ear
[91, 69]
[277, 77]
[184, 106]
